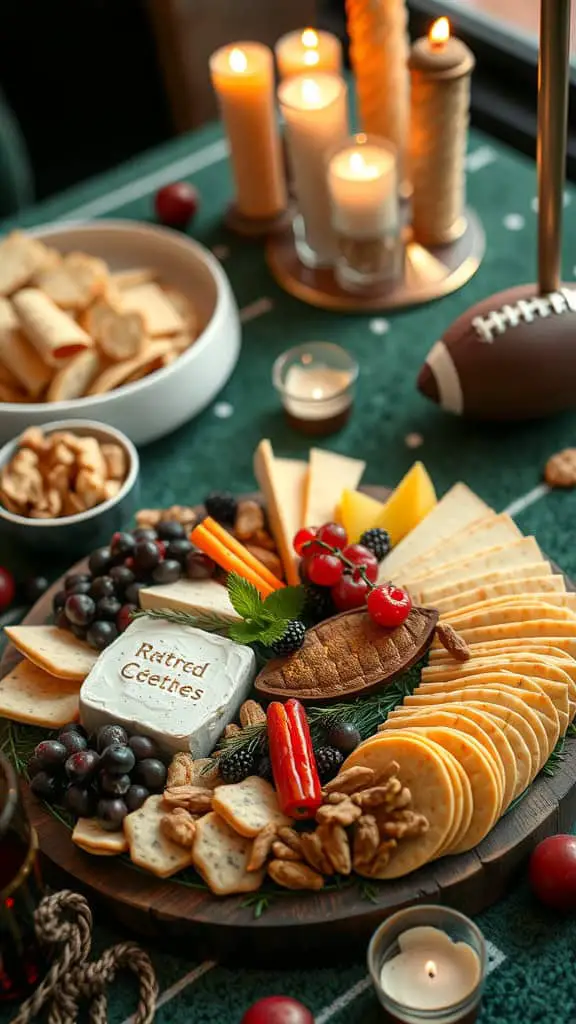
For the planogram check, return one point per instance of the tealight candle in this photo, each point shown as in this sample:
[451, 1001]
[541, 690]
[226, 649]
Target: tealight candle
[243, 78]
[428, 964]
[314, 108]
[316, 382]
[308, 50]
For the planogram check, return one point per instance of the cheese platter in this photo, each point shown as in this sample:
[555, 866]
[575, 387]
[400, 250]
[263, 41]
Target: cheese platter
[277, 733]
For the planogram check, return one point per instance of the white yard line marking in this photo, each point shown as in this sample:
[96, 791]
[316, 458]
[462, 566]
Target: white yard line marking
[495, 957]
[479, 158]
[179, 986]
[255, 309]
[517, 506]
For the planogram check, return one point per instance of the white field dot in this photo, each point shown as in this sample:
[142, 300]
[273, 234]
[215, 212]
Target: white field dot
[379, 326]
[223, 410]
[567, 199]
[514, 221]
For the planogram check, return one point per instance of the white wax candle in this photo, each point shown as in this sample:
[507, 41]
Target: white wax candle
[430, 972]
[243, 78]
[314, 107]
[308, 50]
[362, 181]
[316, 392]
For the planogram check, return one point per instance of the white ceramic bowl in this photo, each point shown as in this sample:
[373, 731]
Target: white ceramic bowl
[157, 404]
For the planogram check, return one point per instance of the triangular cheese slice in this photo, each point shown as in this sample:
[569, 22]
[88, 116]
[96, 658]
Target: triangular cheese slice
[328, 475]
[55, 650]
[198, 597]
[282, 482]
[486, 533]
[459, 508]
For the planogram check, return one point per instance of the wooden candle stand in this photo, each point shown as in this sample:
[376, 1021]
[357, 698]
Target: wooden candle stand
[429, 273]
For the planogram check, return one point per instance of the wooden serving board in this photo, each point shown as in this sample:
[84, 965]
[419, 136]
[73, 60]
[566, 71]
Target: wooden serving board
[301, 927]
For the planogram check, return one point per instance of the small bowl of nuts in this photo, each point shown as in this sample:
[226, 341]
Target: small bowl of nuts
[65, 487]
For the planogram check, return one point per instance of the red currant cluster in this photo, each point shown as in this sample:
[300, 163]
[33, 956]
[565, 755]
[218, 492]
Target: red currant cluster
[351, 571]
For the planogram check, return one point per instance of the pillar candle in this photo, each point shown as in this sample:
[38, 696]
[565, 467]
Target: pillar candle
[379, 54]
[440, 68]
[314, 108]
[363, 186]
[308, 50]
[243, 78]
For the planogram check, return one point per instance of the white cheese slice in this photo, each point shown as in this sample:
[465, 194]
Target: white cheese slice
[459, 508]
[328, 475]
[521, 552]
[199, 597]
[490, 532]
[282, 484]
[178, 685]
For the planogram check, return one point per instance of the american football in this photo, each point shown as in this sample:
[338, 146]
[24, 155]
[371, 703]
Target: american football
[510, 357]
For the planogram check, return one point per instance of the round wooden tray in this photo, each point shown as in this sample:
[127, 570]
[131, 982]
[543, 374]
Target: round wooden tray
[301, 927]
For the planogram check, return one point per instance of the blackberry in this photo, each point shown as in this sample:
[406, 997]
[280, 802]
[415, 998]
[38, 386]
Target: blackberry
[377, 541]
[291, 641]
[328, 763]
[264, 768]
[221, 505]
[318, 603]
[237, 766]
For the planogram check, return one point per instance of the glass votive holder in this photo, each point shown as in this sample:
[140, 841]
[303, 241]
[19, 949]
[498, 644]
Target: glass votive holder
[363, 187]
[316, 383]
[428, 965]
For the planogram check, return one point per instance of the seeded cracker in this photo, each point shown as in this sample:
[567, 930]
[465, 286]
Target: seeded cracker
[149, 847]
[249, 806]
[92, 838]
[30, 695]
[221, 857]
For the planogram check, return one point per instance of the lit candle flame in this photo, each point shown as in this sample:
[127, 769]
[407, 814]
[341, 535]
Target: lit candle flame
[431, 969]
[360, 169]
[237, 60]
[439, 33]
[309, 39]
[310, 58]
[310, 92]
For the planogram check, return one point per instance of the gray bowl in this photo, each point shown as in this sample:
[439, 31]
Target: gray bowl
[76, 535]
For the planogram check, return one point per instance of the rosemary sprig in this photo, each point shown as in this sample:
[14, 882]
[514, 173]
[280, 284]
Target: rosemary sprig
[554, 762]
[209, 623]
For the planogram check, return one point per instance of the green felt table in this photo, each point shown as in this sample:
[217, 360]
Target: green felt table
[532, 970]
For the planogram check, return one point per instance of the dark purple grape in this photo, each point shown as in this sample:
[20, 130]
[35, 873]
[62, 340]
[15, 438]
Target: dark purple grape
[151, 772]
[51, 754]
[124, 617]
[82, 766]
[46, 787]
[58, 601]
[73, 741]
[122, 576]
[80, 801]
[108, 608]
[76, 577]
[122, 544]
[146, 555]
[179, 549]
[34, 766]
[79, 588]
[113, 785]
[344, 736]
[111, 812]
[101, 634]
[35, 588]
[61, 620]
[135, 797]
[144, 533]
[170, 529]
[73, 727]
[199, 566]
[100, 561]
[133, 591]
[79, 631]
[143, 747]
[117, 759]
[80, 609]
[167, 572]
[102, 586]
[111, 735]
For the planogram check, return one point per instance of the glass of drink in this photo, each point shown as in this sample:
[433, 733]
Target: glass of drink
[21, 959]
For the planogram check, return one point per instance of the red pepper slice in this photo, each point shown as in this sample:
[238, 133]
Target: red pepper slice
[293, 762]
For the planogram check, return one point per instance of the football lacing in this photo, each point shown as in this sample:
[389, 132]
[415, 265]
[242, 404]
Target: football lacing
[524, 311]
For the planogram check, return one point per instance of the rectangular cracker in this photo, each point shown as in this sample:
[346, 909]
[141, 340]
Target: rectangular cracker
[19, 355]
[519, 552]
[55, 650]
[20, 257]
[430, 595]
[492, 531]
[249, 806]
[158, 313]
[149, 848]
[552, 629]
[544, 588]
[74, 379]
[74, 282]
[54, 334]
[29, 694]
[221, 857]
[116, 375]
[502, 610]
[92, 838]
[134, 276]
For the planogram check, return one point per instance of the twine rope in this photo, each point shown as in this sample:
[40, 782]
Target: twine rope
[65, 919]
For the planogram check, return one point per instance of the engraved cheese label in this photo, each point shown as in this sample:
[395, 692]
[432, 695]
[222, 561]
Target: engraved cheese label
[498, 321]
[177, 684]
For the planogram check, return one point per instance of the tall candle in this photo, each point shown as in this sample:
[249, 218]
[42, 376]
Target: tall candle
[243, 78]
[314, 108]
[440, 67]
[308, 50]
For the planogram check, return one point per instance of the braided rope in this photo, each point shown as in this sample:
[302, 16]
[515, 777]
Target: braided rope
[64, 919]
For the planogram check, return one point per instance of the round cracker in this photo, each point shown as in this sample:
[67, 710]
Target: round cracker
[423, 770]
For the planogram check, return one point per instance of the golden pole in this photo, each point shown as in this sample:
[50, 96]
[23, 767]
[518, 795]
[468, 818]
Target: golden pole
[553, 77]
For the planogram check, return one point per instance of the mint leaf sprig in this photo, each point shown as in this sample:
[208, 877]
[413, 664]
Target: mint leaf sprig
[263, 621]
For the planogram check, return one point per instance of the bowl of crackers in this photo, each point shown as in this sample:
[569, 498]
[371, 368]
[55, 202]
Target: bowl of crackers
[67, 486]
[130, 324]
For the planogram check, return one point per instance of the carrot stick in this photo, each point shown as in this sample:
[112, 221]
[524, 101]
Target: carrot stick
[215, 550]
[242, 552]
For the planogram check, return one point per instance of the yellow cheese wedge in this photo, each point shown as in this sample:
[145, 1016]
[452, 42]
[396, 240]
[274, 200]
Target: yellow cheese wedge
[408, 505]
[328, 475]
[282, 482]
[358, 512]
